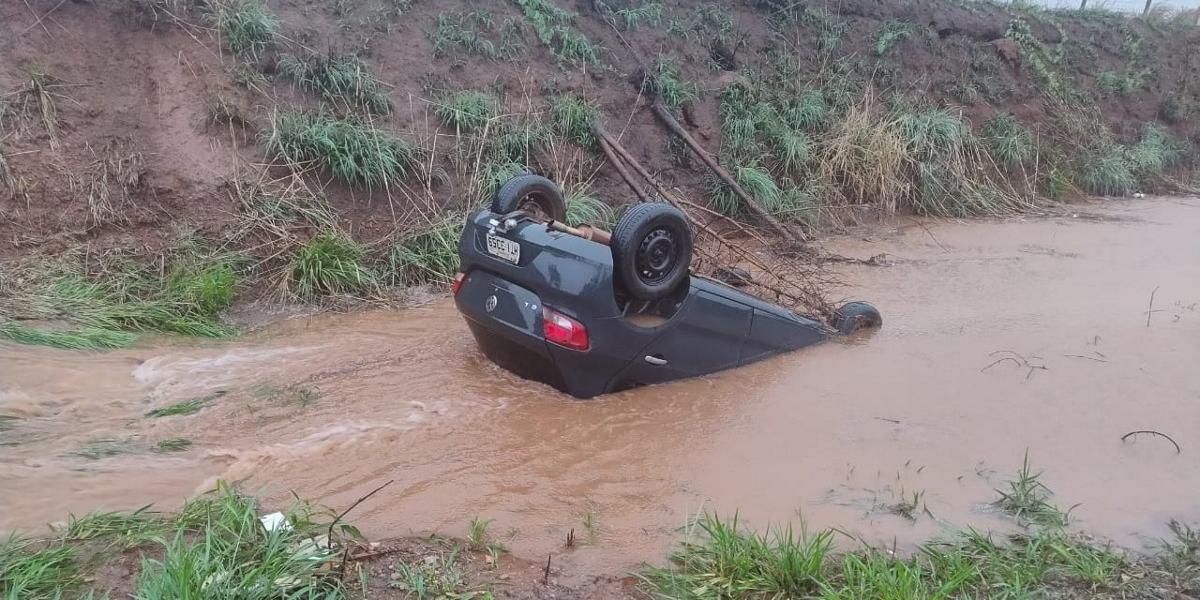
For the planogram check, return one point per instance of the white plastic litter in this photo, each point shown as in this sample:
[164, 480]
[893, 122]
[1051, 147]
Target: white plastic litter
[275, 520]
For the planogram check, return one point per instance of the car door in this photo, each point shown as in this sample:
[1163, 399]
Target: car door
[706, 336]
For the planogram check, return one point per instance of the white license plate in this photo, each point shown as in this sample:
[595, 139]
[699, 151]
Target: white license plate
[503, 249]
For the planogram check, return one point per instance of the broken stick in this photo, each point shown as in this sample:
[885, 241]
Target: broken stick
[664, 114]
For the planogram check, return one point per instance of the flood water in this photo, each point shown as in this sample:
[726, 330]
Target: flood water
[330, 407]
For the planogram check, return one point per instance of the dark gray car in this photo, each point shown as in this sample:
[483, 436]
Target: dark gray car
[548, 305]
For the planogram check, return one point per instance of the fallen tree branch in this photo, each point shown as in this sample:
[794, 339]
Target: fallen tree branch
[664, 114]
[356, 503]
[624, 172]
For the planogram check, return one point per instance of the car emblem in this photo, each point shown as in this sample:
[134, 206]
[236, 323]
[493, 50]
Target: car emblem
[490, 304]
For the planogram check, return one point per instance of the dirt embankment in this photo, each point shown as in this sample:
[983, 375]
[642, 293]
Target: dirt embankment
[127, 120]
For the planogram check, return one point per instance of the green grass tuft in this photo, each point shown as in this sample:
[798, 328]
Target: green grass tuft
[1009, 142]
[33, 571]
[467, 110]
[675, 91]
[428, 254]
[552, 26]
[247, 27]
[572, 118]
[338, 77]
[808, 111]
[1107, 172]
[791, 149]
[891, 33]
[1027, 499]
[931, 133]
[583, 208]
[187, 407]
[87, 338]
[329, 263]
[351, 150]
[173, 444]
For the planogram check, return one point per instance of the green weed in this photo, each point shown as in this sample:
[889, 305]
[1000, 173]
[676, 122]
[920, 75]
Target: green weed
[891, 33]
[427, 254]
[467, 110]
[1154, 152]
[791, 149]
[125, 529]
[173, 444]
[758, 183]
[88, 338]
[247, 27]
[477, 533]
[572, 118]
[469, 32]
[807, 111]
[552, 26]
[931, 133]
[1027, 499]
[351, 150]
[830, 28]
[329, 263]
[583, 208]
[1107, 172]
[219, 549]
[33, 571]
[440, 579]
[675, 91]
[1009, 142]
[643, 14]
[186, 407]
[337, 77]
[1124, 83]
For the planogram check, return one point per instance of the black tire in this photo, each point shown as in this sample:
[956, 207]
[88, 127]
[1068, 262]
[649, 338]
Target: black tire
[652, 250]
[856, 316]
[534, 194]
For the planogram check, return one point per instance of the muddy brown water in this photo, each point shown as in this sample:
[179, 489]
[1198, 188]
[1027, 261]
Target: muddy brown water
[332, 406]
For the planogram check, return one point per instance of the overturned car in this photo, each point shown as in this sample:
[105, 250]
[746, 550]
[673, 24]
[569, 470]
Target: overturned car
[589, 312]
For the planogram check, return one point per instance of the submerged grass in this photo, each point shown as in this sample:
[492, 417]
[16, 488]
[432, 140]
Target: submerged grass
[352, 150]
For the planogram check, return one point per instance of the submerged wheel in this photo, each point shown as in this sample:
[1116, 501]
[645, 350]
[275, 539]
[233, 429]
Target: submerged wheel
[855, 316]
[535, 195]
[652, 250]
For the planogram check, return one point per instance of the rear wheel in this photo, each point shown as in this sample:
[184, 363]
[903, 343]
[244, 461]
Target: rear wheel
[537, 196]
[652, 250]
[855, 316]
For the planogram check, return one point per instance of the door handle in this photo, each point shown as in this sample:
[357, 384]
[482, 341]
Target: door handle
[656, 361]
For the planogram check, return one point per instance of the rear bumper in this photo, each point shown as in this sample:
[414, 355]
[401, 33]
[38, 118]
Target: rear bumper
[510, 335]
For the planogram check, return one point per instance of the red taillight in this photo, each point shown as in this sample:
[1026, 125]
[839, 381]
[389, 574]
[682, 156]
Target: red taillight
[563, 330]
[457, 283]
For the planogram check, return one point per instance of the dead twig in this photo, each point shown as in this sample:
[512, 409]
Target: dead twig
[1000, 360]
[546, 572]
[1087, 357]
[1150, 310]
[356, 503]
[1178, 450]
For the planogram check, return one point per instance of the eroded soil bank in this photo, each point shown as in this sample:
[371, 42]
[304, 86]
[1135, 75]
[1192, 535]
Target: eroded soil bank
[999, 337]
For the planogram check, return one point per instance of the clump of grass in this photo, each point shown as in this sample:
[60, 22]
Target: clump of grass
[478, 537]
[582, 207]
[830, 28]
[1027, 499]
[1121, 84]
[1106, 172]
[757, 182]
[675, 91]
[126, 529]
[638, 15]
[467, 110]
[720, 560]
[329, 263]
[891, 33]
[427, 254]
[1153, 153]
[247, 27]
[467, 32]
[102, 309]
[351, 150]
[807, 111]
[442, 577]
[101, 448]
[87, 338]
[792, 149]
[337, 77]
[572, 118]
[219, 549]
[552, 26]
[931, 133]
[186, 407]
[867, 158]
[30, 570]
[173, 444]
[1009, 142]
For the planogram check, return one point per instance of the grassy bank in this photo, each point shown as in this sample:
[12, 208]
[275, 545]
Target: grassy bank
[216, 547]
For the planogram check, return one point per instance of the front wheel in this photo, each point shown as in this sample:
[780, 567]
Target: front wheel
[856, 316]
[652, 250]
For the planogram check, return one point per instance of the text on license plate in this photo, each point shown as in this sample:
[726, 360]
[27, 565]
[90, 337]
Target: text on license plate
[503, 249]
